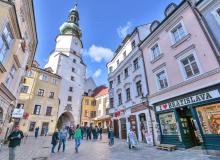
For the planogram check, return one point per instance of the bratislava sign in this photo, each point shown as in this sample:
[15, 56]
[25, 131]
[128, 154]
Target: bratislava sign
[189, 100]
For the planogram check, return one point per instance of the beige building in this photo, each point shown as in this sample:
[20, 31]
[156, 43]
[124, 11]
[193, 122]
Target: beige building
[39, 98]
[18, 41]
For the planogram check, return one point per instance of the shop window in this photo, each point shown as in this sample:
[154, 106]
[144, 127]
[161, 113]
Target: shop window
[168, 124]
[209, 117]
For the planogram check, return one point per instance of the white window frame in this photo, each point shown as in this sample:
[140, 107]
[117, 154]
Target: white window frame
[157, 82]
[152, 54]
[183, 72]
[215, 13]
[173, 41]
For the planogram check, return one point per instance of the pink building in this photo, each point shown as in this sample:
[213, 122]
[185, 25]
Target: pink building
[184, 80]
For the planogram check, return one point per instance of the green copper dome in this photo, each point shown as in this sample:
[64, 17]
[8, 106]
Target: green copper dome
[72, 25]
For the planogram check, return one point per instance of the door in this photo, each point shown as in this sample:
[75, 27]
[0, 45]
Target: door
[133, 123]
[116, 133]
[123, 128]
[189, 136]
[44, 128]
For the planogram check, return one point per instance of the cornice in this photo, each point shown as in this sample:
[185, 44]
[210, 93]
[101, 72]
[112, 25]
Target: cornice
[7, 92]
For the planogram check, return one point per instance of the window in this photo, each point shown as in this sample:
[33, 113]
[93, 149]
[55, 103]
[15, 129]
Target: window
[51, 95]
[209, 117]
[69, 98]
[93, 114]
[110, 69]
[216, 14]
[71, 89]
[6, 39]
[111, 102]
[30, 73]
[178, 33]
[86, 113]
[117, 62]
[133, 44]
[54, 81]
[124, 54]
[44, 77]
[111, 84]
[155, 50]
[119, 79]
[74, 60]
[87, 102]
[126, 72]
[93, 103]
[24, 89]
[11, 76]
[40, 92]
[135, 62]
[128, 94]
[48, 111]
[72, 78]
[37, 109]
[73, 70]
[32, 126]
[190, 66]
[119, 99]
[162, 80]
[99, 102]
[139, 88]
[168, 124]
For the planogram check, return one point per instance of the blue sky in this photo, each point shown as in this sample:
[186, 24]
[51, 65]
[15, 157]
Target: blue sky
[103, 22]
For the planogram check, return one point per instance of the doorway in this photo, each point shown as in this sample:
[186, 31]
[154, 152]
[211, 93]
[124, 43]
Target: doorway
[116, 131]
[189, 131]
[44, 128]
[123, 128]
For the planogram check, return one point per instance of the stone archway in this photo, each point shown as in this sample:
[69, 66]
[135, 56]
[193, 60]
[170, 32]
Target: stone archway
[65, 119]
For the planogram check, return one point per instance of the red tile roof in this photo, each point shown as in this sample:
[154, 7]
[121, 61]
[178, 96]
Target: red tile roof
[100, 91]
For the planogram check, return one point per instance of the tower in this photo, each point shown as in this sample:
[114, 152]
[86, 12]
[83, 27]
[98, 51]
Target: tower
[66, 61]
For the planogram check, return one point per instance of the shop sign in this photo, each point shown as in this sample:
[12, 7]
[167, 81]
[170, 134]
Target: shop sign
[138, 108]
[189, 100]
[18, 113]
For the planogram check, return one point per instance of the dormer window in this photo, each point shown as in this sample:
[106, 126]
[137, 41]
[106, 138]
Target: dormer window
[154, 25]
[124, 54]
[170, 8]
[110, 69]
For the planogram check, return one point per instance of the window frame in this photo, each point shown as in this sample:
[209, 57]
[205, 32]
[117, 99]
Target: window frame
[50, 113]
[137, 88]
[136, 65]
[22, 90]
[40, 92]
[152, 53]
[133, 44]
[157, 81]
[36, 111]
[128, 94]
[119, 99]
[173, 41]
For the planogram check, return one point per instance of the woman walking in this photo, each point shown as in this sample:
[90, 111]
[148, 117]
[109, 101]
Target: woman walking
[77, 137]
[111, 136]
[55, 140]
[132, 139]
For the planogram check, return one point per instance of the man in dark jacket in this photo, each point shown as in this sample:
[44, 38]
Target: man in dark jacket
[55, 140]
[14, 140]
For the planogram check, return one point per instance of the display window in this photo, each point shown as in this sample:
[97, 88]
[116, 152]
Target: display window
[209, 117]
[168, 124]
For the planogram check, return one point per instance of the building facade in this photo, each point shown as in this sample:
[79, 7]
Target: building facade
[184, 84]
[128, 87]
[102, 105]
[66, 61]
[18, 41]
[88, 110]
[39, 99]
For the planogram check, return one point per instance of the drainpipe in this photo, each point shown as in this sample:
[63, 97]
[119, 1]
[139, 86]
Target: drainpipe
[148, 91]
[80, 120]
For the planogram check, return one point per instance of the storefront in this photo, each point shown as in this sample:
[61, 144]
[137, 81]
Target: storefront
[191, 120]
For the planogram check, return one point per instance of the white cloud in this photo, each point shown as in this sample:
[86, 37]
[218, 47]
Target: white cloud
[98, 53]
[97, 73]
[123, 30]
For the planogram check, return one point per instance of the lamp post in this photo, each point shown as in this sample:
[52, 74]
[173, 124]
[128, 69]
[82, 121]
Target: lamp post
[146, 102]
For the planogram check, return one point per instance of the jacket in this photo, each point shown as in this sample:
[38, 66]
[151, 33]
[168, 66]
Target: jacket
[78, 133]
[15, 138]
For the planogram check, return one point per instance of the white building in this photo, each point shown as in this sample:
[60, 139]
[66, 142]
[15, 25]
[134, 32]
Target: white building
[128, 87]
[66, 61]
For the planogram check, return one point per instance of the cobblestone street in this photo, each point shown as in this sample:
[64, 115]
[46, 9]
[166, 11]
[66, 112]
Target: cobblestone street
[40, 150]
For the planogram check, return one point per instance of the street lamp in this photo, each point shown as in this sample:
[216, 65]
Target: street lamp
[146, 102]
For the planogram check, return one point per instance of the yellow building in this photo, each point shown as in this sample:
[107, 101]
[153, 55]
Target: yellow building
[18, 41]
[88, 110]
[39, 98]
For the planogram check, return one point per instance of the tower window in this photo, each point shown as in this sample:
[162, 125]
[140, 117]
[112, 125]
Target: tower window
[74, 60]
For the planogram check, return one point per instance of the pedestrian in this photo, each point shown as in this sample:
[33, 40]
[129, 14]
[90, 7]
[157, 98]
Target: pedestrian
[55, 140]
[77, 137]
[36, 132]
[14, 140]
[89, 132]
[82, 132]
[100, 132]
[46, 131]
[111, 136]
[132, 139]
[62, 139]
[70, 132]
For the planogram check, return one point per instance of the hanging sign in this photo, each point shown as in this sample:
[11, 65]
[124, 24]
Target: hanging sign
[189, 100]
[18, 113]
